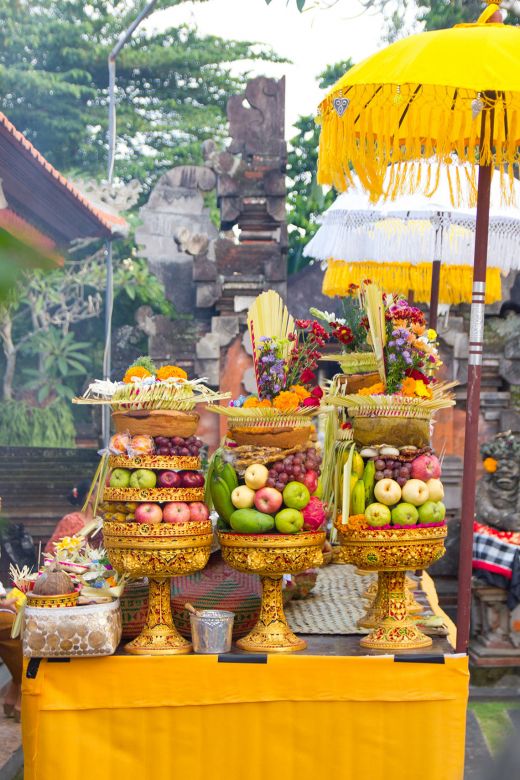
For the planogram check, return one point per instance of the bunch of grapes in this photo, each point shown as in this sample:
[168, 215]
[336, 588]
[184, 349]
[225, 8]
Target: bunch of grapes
[293, 468]
[393, 469]
[176, 445]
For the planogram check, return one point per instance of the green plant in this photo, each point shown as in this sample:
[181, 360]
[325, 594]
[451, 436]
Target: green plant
[23, 425]
[61, 359]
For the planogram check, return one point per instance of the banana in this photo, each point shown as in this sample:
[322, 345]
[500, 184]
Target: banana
[358, 465]
[229, 476]
[358, 498]
[221, 498]
[369, 478]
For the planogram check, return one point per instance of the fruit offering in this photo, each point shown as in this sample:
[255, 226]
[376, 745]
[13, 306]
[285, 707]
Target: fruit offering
[397, 487]
[140, 445]
[275, 499]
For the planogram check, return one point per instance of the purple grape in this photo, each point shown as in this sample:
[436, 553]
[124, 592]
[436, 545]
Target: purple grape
[178, 441]
[379, 475]
[404, 471]
[289, 471]
[278, 467]
[163, 451]
[401, 481]
[272, 474]
[184, 451]
[161, 441]
[390, 464]
[388, 473]
[284, 478]
[297, 472]
[279, 486]
[271, 482]
[379, 464]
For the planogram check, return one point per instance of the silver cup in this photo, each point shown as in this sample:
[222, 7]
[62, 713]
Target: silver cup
[211, 631]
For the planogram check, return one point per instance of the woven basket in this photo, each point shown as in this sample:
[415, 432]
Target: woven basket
[217, 587]
[161, 422]
[398, 431]
[134, 606]
[284, 438]
[356, 382]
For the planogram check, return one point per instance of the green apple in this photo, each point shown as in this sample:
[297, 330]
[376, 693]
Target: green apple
[289, 521]
[120, 478]
[429, 512]
[377, 515]
[296, 495]
[442, 512]
[405, 514]
[143, 478]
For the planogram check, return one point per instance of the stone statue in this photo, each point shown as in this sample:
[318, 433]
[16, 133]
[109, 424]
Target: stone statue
[498, 492]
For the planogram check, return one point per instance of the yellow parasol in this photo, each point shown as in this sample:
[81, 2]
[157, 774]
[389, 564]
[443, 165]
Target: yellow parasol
[435, 95]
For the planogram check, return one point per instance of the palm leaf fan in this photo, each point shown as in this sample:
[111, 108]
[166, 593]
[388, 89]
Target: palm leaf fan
[374, 306]
[268, 317]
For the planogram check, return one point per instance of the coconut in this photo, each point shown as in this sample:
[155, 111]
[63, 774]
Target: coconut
[53, 582]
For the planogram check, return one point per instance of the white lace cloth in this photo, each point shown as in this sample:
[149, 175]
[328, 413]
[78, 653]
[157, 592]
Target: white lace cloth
[417, 229]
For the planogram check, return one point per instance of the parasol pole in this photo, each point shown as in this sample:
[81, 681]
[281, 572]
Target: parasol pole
[476, 337]
[436, 274]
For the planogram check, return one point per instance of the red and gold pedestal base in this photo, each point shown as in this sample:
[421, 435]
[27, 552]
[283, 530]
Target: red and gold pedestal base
[393, 628]
[159, 635]
[391, 552]
[158, 552]
[271, 556]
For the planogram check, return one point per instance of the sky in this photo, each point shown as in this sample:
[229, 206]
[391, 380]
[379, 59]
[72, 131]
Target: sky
[311, 40]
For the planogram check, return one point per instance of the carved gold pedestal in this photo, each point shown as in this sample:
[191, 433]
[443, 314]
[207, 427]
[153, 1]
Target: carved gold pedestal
[158, 552]
[412, 605]
[271, 556]
[391, 553]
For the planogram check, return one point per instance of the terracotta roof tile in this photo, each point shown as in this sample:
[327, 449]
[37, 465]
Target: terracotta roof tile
[109, 221]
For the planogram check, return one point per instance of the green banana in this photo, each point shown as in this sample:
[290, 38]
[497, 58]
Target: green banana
[221, 498]
[229, 476]
[358, 498]
[369, 479]
[250, 521]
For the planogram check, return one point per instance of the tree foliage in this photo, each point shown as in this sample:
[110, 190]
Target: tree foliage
[306, 199]
[172, 86]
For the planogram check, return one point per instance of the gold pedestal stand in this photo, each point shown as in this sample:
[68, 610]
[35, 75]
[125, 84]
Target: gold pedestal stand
[391, 553]
[271, 556]
[158, 552]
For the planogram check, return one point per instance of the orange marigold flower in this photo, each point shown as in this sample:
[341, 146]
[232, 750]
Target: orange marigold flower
[490, 465]
[286, 401]
[265, 403]
[408, 386]
[376, 389]
[168, 372]
[418, 328]
[300, 391]
[251, 403]
[135, 371]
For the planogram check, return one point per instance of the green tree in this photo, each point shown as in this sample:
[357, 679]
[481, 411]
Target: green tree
[172, 86]
[306, 199]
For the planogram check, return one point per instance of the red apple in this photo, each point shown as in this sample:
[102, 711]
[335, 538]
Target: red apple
[198, 512]
[169, 479]
[310, 480]
[426, 467]
[176, 512]
[268, 500]
[148, 513]
[192, 479]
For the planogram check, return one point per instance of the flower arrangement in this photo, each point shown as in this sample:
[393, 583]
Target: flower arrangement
[285, 370]
[349, 329]
[144, 386]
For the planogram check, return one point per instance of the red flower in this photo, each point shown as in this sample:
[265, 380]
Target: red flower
[311, 401]
[414, 374]
[346, 426]
[319, 331]
[343, 334]
[302, 324]
[317, 392]
[307, 376]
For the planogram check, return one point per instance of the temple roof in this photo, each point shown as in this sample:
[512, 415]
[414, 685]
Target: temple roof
[42, 203]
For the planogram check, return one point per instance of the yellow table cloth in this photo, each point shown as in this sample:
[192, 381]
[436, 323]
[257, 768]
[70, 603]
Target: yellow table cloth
[303, 717]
